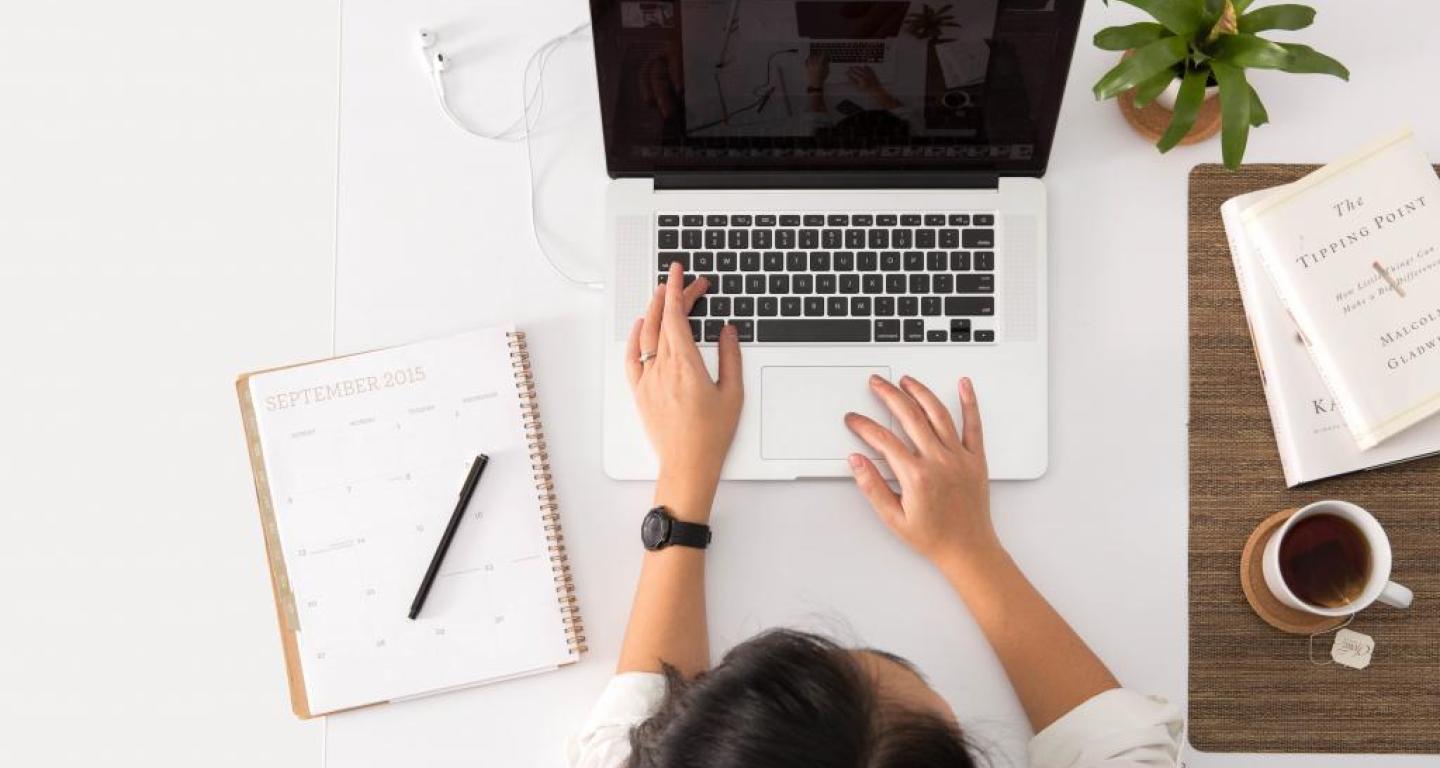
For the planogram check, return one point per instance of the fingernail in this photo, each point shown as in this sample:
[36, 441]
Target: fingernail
[731, 331]
[906, 379]
[967, 388]
[875, 378]
[855, 461]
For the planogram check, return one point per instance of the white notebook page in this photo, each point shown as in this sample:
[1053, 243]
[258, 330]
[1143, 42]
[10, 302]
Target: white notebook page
[365, 457]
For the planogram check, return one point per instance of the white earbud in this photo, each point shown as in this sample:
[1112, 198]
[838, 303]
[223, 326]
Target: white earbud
[430, 51]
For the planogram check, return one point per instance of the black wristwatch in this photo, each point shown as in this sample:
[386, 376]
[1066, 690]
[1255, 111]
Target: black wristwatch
[659, 530]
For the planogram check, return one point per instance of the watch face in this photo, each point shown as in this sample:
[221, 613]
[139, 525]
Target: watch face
[655, 530]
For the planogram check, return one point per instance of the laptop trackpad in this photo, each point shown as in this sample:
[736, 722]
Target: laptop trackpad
[802, 410]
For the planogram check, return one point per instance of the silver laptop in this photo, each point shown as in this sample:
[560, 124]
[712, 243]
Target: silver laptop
[871, 231]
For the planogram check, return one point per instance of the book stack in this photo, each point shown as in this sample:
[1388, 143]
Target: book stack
[1339, 273]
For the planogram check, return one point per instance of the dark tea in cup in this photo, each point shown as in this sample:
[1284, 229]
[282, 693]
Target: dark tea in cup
[1325, 560]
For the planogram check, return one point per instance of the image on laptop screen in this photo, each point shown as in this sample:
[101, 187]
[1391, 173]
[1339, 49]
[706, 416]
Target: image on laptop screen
[831, 84]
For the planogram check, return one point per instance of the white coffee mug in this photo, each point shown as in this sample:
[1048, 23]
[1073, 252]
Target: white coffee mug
[1378, 585]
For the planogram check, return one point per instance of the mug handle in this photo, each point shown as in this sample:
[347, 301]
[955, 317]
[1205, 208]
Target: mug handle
[1396, 595]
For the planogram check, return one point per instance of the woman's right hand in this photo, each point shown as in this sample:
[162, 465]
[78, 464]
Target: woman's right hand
[943, 508]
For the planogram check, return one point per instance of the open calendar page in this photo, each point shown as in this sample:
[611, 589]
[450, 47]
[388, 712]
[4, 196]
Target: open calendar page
[364, 457]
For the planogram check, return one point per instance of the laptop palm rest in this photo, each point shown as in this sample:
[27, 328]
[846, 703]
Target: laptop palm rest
[802, 410]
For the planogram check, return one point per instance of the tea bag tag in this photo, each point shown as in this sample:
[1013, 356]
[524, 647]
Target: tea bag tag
[1352, 649]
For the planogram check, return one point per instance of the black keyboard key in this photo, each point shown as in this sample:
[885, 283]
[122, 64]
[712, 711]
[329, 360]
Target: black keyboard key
[779, 284]
[862, 220]
[714, 281]
[935, 261]
[750, 261]
[884, 306]
[860, 306]
[982, 306]
[837, 306]
[959, 330]
[937, 336]
[754, 284]
[698, 308]
[909, 306]
[889, 261]
[809, 238]
[910, 220]
[789, 220]
[934, 219]
[785, 239]
[732, 284]
[984, 220]
[803, 284]
[887, 330]
[974, 283]
[866, 261]
[830, 238]
[790, 306]
[825, 283]
[849, 283]
[765, 220]
[744, 306]
[895, 284]
[924, 238]
[978, 238]
[959, 261]
[712, 329]
[819, 261]
[814, 330]
[693, 220]
[744, 329]
[715, 220]
[854, 238]
[837, 220]
[727, 261]
[943, 283]
[666, 257]
[920, 283]
[814, 220]
[719, 306]
[696, 330]
[985, 260]
[669, 238]
[704, 261]
[767, 306]
[796, 262]
[930, 306]
[762, 238]
[738, 238]
[879, 238]
[886, 220]
[714, 238]
[740, 220]
[901, 238]
[984, 335]
[914, 261]
[844, 261]
[914, 330]
[872, 284]
[691, 238]
[959, 219]
[814, 306]
[774, 261]
[949, 238]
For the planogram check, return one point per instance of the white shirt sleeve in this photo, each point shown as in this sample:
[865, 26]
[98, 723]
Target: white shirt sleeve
[1114, 729]
[604, 740]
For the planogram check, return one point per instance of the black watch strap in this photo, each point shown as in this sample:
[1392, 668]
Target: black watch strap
[684, 534]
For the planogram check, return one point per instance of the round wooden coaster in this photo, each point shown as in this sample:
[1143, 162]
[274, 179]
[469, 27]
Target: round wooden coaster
[1152, 119]
[1261, 599]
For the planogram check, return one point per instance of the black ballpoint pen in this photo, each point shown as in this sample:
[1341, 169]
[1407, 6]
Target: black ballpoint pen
[466, 491]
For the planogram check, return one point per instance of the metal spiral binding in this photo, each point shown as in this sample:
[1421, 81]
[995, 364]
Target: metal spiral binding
[545, 492]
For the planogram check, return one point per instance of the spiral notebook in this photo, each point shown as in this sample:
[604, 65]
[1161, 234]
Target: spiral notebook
[358, 461]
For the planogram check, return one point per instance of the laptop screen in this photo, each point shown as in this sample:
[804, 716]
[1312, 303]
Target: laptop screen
[831, 85]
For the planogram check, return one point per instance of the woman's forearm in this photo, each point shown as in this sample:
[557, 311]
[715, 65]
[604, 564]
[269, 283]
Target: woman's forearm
[1050, 667]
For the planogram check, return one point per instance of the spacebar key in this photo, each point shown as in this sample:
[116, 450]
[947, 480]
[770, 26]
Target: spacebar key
[812, 330]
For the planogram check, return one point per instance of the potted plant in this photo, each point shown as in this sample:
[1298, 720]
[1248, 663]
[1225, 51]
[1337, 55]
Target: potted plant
[929, 24]
[1198, 50]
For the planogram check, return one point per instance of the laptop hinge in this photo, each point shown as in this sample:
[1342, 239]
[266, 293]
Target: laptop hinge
[826, 180]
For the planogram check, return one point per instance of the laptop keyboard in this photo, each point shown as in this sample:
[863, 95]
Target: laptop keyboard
[850, 51]
[837, 277]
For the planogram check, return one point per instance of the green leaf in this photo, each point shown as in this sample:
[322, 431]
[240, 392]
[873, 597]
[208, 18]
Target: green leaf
[1187, 107]
[1147, 90]
[1308, 61]
[1147, 61]
[1240, 5]
[1213, 10]
[1250, 52]
[1127, 37]
[1277, 17]
[1183, 17]
[1234, 112]
[1258, 115]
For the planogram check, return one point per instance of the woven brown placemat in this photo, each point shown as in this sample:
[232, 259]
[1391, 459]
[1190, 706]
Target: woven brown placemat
[1253, 687]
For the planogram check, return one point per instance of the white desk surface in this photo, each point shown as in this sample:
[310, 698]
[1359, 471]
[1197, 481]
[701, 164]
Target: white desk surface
[172, 229]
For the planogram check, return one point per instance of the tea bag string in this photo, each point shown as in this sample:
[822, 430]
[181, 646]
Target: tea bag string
[1311, 650]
